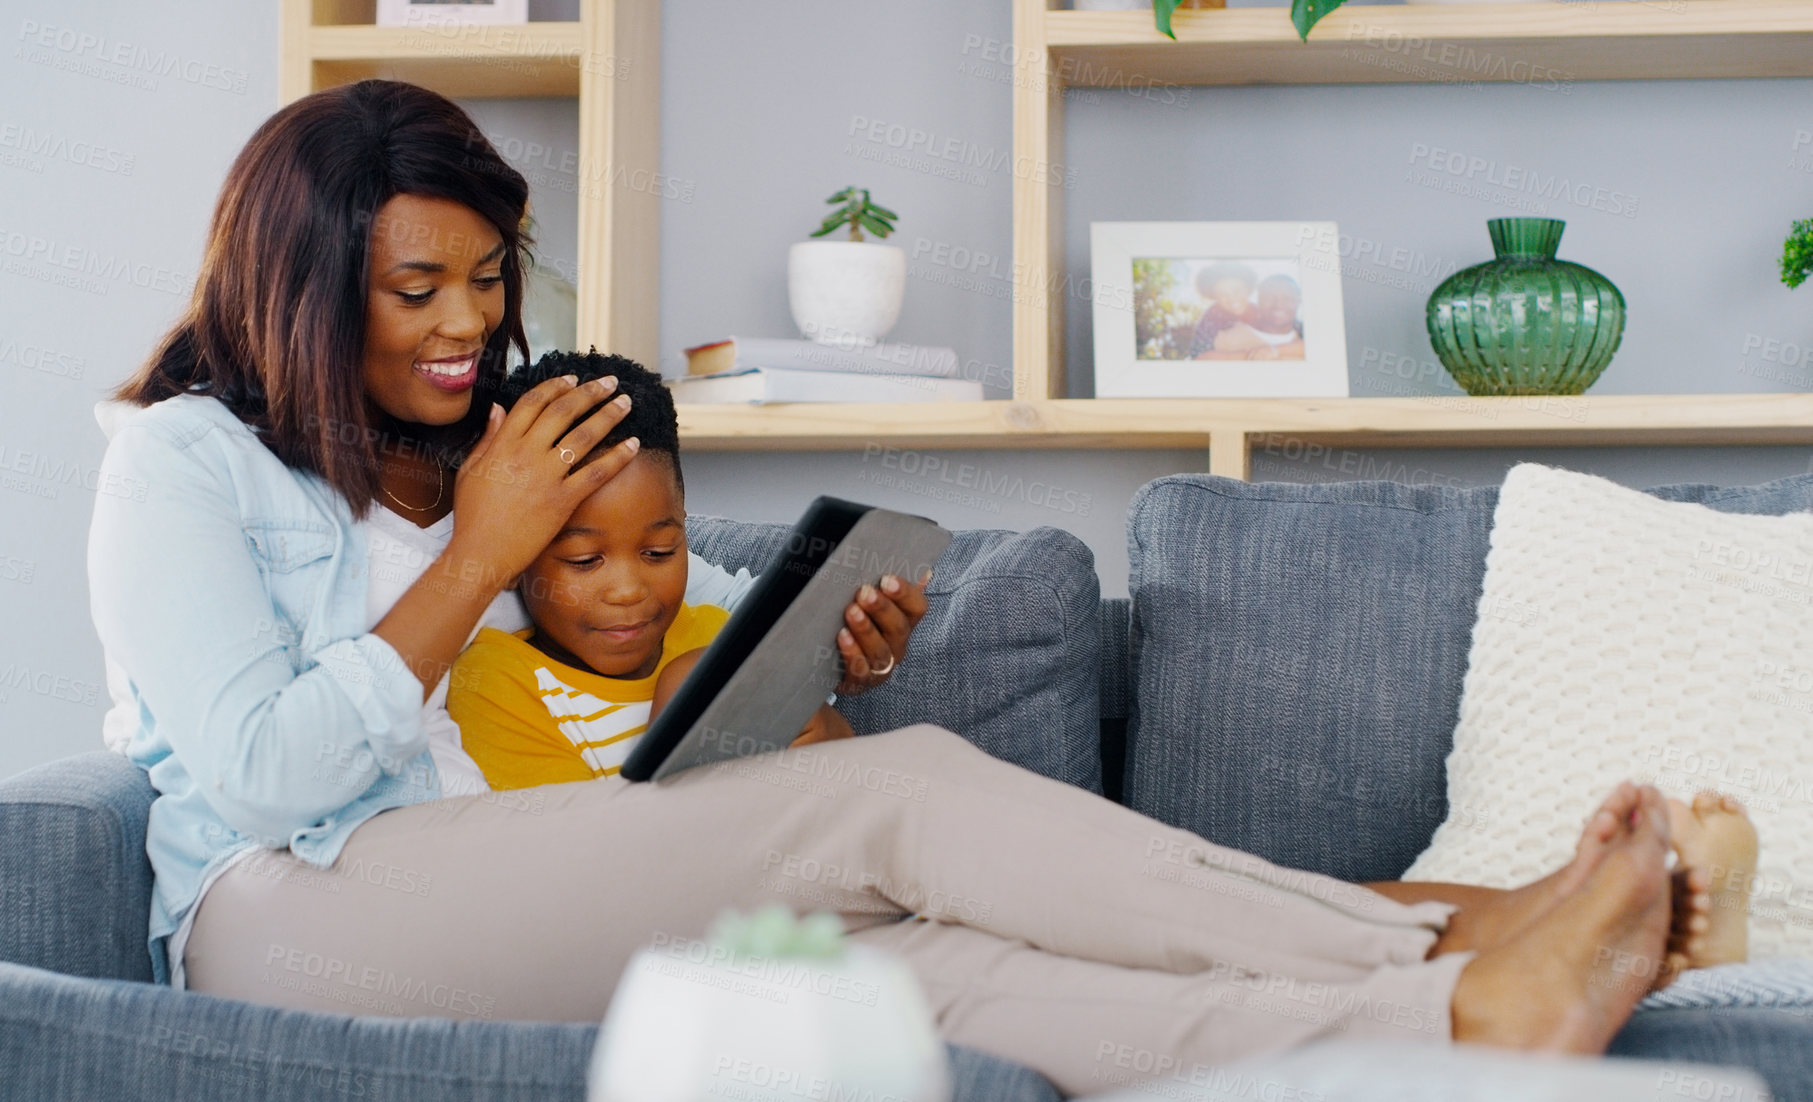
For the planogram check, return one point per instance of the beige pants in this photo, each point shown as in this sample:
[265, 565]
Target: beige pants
[1058, 929]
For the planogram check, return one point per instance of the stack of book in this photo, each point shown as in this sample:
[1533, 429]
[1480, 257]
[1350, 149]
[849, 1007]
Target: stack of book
[766, 369]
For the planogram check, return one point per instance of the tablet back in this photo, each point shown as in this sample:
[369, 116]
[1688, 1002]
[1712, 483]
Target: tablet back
[776, 659]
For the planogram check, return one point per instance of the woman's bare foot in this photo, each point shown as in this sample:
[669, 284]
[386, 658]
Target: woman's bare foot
[1716, 844]
[1488, 919]
[1570, 980]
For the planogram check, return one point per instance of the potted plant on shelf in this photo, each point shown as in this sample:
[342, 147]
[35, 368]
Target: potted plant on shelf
[1304, 13]
[847, 292]
[1163, 9]
[1797, 253]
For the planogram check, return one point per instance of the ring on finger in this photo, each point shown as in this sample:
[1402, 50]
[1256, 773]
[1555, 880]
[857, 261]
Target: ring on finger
[567, 456]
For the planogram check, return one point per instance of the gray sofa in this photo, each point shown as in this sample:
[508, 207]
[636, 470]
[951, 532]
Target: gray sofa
[1284, 678]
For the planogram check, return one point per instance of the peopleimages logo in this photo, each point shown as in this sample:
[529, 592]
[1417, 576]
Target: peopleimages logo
[32, 357]
[25, 141]
[89, 264]
[927, 474]
[17, 676]
[41, 475]
[1519, 180]
[338, 979]
[85, 52]
[1464, 62]
[958, 152]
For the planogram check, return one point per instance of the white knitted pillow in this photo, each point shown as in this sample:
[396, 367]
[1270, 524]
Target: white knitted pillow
[1624, 636]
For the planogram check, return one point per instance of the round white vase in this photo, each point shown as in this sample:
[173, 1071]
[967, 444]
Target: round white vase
[845, 292]
[688, 1022]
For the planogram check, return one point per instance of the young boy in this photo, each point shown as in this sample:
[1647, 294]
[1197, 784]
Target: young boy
[612, 635]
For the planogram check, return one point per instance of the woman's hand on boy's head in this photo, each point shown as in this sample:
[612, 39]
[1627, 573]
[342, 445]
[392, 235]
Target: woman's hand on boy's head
[518, 485]
[876, 628]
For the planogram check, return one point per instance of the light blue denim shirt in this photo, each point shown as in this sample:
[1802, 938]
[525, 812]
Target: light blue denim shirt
[231, 589]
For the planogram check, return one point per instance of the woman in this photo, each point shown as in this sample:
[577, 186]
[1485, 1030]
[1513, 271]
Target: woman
[360, 290]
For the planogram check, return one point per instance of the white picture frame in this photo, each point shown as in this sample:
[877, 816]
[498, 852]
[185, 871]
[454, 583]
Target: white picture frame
[1161, 333]
[423, 13]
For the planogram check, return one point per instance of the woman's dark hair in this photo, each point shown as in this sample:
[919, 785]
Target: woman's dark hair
[276, 326]
[651, 419]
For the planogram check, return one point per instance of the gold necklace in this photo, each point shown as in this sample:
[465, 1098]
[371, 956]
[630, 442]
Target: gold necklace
[439, 492]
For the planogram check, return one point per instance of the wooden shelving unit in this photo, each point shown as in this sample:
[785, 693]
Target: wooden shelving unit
[1550, 42]
[1538, 43]
[1229, 428]
[610, 60]
[539, 59]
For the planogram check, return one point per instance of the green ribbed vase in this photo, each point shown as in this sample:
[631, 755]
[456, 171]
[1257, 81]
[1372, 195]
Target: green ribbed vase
[1525, 322]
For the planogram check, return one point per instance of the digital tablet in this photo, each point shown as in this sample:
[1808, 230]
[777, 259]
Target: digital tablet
[776, 660]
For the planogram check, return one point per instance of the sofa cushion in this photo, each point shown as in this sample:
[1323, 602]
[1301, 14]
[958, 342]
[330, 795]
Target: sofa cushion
[75, 884]
[1008, 652]
[1621, 637]
[66, 1038]
[1298, 658]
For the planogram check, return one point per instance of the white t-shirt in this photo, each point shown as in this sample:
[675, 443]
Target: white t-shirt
[398, 551]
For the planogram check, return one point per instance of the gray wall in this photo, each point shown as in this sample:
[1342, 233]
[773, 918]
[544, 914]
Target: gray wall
[765, 112]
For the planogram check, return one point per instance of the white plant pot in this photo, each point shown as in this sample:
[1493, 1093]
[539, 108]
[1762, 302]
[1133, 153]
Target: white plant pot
[845, 292]
[689, 1023]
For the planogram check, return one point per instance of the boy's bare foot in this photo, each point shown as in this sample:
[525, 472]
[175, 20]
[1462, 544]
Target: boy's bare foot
[1716, 844]
[1569, 981]
[1499, 917]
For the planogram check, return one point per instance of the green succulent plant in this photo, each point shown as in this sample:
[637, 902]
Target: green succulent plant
[1797, 253]
[1304, 14]
[858, 213]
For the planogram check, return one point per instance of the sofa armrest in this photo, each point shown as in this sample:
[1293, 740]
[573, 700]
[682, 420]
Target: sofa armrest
[75, 884]
[69, 1038]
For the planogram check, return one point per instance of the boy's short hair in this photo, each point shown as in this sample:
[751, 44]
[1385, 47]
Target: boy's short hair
[651, 418]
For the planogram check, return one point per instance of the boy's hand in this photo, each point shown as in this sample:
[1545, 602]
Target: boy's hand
[826, 724]
[877, 624]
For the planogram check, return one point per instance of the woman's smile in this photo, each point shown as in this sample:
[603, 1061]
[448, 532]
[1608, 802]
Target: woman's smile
[452, 375]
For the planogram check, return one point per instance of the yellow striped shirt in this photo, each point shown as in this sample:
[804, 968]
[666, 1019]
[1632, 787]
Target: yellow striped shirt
[527, 719]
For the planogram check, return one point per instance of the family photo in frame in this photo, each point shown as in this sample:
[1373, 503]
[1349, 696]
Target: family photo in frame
[1218, 309]
[1240, 308]
[417, 13]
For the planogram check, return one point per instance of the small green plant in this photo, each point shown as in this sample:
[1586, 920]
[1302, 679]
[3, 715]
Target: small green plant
[1797, 253]
[857, 213]
[1304, 14]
